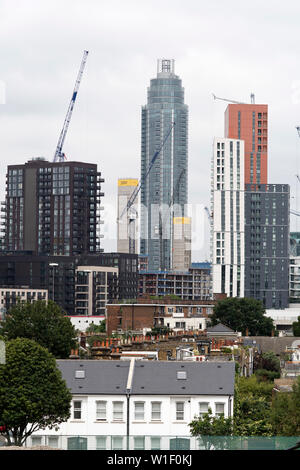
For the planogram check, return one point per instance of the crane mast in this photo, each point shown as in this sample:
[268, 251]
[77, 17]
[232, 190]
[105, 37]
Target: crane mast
[137, 190]
[59, 155]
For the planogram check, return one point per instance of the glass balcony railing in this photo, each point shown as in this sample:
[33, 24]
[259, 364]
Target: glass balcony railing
[158, 442]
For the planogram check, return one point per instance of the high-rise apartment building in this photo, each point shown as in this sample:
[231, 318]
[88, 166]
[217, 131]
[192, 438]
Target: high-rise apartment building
[227, 236]
[127, 225]
[249, 122]
[164, 190]
[182, 234]
[267, 244]
[53, 208]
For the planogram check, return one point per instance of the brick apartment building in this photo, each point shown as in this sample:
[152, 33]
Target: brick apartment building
[148, 313]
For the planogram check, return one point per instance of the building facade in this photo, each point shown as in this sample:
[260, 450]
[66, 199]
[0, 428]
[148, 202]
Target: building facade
[10, 297]
[139, 405]
[182, 236]
[164, 191]
[267, 244]
[127, 225]
[94, 287]
[195, 284]
[79, 284]
[227, 209]
[148, 313]
[52, 208]
[249, 122]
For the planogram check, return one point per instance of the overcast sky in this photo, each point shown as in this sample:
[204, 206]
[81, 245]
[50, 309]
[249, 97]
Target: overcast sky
[230, 48]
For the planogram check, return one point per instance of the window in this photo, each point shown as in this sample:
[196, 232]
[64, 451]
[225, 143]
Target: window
[220, 409]
[53, 441]
[117, 443]
[155, 443]
[100, 442]
[77, 409]
[179, 410]
[139, 410]
[36, 440]
[101, 410]
[139, 443]
[117, 411]
[155, 411]
[203, 408]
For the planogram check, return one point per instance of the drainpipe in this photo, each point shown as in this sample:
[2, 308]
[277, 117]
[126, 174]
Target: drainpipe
[128, 392]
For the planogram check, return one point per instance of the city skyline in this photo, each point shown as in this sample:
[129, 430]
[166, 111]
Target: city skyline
[39, 76]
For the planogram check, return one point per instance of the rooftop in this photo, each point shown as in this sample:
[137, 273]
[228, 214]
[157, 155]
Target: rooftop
[149, 378]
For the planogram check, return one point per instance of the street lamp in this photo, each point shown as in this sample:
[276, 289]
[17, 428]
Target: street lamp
[53, 266]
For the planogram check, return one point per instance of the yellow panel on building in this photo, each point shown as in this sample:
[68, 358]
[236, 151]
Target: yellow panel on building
[128, 182]
[181, 220]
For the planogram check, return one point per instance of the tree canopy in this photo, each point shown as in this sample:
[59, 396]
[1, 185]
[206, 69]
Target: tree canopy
[33, 394]
[42, 322]
[93, 328]
[243, 314]
[296, 327]
[285, 416]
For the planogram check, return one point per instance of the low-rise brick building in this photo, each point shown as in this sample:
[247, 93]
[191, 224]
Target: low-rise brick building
[148, 313]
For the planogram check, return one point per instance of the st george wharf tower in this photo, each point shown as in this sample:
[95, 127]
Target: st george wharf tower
[164, 191]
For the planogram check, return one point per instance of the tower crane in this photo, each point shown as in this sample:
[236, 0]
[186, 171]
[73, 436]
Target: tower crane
[138, 188]
[208, 213]
[59, 155]
[252, 99]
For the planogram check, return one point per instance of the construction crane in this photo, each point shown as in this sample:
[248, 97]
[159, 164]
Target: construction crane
[59, 155]
[208, 213]
[138, 188]
[171, 204]
[252, 99]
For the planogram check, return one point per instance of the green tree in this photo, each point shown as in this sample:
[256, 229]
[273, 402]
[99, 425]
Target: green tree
[44, 323]
[33, 395]
[101, 328]
[252, 407]
[212, 430]
[296, 327]
[285, 417]
[243, 314]
[267, 366]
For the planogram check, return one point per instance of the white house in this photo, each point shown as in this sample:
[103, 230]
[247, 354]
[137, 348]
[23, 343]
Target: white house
[142, 404]
[82, 322]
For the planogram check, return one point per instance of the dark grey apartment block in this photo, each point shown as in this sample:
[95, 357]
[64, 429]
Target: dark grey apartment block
[267, 243]
[52, 208]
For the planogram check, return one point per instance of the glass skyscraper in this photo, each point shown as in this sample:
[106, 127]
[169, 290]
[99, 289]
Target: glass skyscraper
[164, 190]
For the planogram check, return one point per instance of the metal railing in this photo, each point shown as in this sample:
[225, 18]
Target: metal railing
[178, 443]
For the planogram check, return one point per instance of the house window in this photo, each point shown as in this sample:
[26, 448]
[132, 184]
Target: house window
[179, 410]
[118, 411]
[155, 411]
[203, 408]
[100, 442]
[220, 409]
[139, 443]
[155, 443]
[139, 410]
[117, 443]
[36, 440]
[77, 409]
[101, 410]
[53, 441]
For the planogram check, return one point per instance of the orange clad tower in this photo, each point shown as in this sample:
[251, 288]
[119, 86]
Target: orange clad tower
[249, 122]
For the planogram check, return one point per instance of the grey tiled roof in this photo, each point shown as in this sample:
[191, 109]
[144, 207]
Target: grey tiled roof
[149, 378]
[219, 328]
[101, 377]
